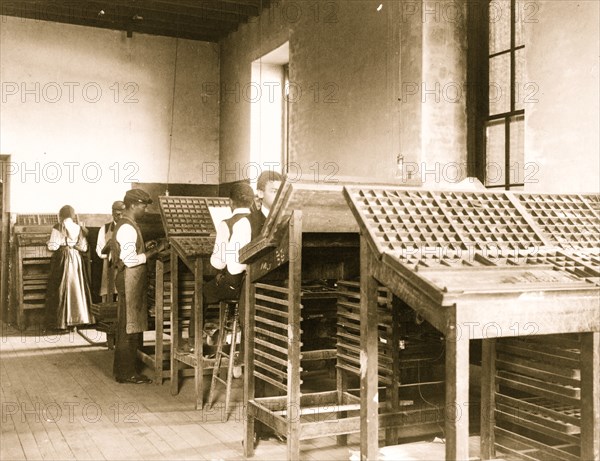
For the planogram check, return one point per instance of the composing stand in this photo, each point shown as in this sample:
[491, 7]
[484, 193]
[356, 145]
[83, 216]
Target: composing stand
[304, 217]
[191, 233]
[304, 267]
[487, 265]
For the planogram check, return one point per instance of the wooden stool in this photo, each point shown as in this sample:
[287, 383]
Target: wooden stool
[225, 315]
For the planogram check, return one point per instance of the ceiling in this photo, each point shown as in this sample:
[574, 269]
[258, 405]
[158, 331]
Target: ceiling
[206, 20]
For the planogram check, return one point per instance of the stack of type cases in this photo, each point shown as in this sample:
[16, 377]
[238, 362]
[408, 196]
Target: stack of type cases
[32, 263]
[411, 358]
[538, 397]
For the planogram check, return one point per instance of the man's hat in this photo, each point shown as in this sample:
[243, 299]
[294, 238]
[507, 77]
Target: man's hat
[118, 205]
[137, 195]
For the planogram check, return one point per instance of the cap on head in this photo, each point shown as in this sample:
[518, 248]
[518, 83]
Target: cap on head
[118, 205]
[137, 196]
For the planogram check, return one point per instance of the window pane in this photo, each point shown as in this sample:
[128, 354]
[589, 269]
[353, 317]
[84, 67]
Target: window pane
[499, 92]
[499, 20]
[494, 168]
[520, 83]
[523, 9]
[517, 149]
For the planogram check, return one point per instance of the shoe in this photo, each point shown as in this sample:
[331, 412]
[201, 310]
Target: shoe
[135, 379]
[269, 435]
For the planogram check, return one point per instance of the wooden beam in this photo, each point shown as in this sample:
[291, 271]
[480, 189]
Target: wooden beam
[488, 398]
[248, 338]
[349, 425]
[294, 338]
[590, 395]
[57, 13]
[457, 393]
[121, 26]
[198, 329]
[242, 9]
[369, 364]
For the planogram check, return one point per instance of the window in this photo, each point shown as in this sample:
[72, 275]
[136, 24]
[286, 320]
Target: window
[269, 111]
[497, 115]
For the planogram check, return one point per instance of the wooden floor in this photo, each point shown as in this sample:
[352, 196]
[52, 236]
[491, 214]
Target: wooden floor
[59, 401]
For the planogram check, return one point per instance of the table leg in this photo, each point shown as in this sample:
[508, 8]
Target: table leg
[369, 342]
[457, 396]
[199, 329]
[488, 398]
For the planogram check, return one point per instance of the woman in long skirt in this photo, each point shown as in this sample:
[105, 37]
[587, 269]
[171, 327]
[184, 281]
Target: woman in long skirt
[68, 297]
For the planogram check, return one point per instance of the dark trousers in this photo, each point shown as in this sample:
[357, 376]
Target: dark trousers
[126, 344]
[218, 289]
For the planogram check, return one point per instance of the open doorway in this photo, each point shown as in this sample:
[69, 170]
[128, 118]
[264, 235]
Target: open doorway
[4, 236]
[269, 110]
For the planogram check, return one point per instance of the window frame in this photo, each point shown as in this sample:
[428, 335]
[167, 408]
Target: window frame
[478, 112]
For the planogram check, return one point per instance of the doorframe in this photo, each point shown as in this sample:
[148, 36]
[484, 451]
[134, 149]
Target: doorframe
[4, 242]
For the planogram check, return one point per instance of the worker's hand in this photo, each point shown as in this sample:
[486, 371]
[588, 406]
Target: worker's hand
[219, 278]
[150, 245]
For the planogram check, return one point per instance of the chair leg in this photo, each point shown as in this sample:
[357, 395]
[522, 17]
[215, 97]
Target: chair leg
[231, 363]
[223, 318]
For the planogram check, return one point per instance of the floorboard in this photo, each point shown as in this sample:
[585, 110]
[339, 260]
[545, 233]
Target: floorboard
[59, 401]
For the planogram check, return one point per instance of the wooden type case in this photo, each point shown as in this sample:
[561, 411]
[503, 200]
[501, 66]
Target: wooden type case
[485, 265]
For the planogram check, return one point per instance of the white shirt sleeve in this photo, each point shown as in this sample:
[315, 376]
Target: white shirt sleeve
[56, 240]
[127, 238]
[217, 259]
[101, 242]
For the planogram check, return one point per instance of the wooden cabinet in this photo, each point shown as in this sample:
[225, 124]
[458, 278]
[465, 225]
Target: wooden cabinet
[518, 271]
[310, 245]
[31, 266]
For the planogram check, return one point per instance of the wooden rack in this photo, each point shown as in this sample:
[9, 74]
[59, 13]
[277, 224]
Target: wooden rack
[481, 265]
[311, 235]
[410, 359]
[191, 233]
[274, 354]
[31, 264]
[157, 355]
[538, 397]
